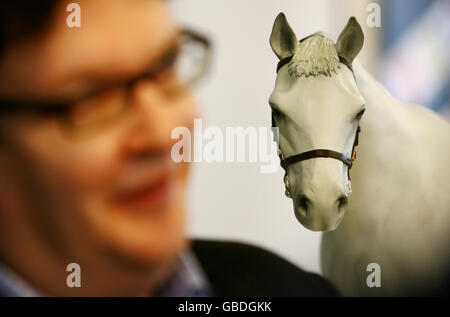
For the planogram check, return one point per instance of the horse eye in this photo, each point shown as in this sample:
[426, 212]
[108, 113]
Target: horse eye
[275, 111]
[360, 114]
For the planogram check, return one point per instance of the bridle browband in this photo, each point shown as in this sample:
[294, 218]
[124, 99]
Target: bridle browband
[286, 60]
[348, 161]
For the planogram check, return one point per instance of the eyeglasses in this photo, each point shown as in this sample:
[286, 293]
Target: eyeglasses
[180, 68]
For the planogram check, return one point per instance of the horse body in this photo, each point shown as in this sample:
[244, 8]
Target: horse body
[399, 212]
[391, 235]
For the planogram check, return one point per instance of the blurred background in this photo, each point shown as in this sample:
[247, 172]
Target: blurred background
[408, 54]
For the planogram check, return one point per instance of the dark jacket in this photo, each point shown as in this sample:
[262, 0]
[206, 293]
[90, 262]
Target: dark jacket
[237, 269]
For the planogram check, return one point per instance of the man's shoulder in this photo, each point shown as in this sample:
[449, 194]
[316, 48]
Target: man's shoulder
[238, 269]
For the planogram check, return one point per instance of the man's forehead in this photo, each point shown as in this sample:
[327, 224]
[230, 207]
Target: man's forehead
[117, 39]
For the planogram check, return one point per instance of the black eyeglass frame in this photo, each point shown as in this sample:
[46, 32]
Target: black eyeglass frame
[61, 107]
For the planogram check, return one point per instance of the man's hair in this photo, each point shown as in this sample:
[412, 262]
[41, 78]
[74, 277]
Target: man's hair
[20, 19]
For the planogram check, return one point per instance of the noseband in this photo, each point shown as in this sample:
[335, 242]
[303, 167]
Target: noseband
[348, 161]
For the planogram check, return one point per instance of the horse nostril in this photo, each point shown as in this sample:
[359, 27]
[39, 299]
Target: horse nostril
[342, 202]
[304, 202]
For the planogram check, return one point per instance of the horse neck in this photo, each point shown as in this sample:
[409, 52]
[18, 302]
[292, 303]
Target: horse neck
[374, 93]
[383, 110]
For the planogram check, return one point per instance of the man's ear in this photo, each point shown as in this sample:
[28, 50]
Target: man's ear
[350, 40]
[282, 39]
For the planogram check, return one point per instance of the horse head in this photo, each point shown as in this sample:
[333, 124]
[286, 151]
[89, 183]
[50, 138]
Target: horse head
[317, 107]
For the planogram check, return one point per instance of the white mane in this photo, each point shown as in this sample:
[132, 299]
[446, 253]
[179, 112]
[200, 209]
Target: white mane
[315, 55]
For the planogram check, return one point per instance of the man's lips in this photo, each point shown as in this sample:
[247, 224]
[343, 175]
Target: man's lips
[148, 195]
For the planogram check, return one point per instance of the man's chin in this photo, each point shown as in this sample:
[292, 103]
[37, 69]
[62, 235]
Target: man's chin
[148, 254]
[145, 240]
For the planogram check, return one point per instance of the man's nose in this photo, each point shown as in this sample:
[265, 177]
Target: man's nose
[151, 124]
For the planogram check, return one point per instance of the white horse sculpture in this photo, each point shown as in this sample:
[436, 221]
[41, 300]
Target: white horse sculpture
[398, 214]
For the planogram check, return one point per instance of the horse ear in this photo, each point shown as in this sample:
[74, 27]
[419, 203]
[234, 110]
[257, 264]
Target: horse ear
[350, 40]
[282, 40]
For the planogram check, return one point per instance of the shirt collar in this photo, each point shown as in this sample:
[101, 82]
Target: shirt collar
[12, 285]
[188, 280]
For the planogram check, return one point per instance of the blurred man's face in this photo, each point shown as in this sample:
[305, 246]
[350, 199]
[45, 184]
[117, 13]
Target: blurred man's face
[113, 193]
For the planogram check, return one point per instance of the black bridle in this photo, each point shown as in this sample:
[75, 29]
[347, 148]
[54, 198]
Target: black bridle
[348, 161]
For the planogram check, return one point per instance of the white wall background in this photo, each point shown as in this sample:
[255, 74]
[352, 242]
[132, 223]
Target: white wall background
[234, 201]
